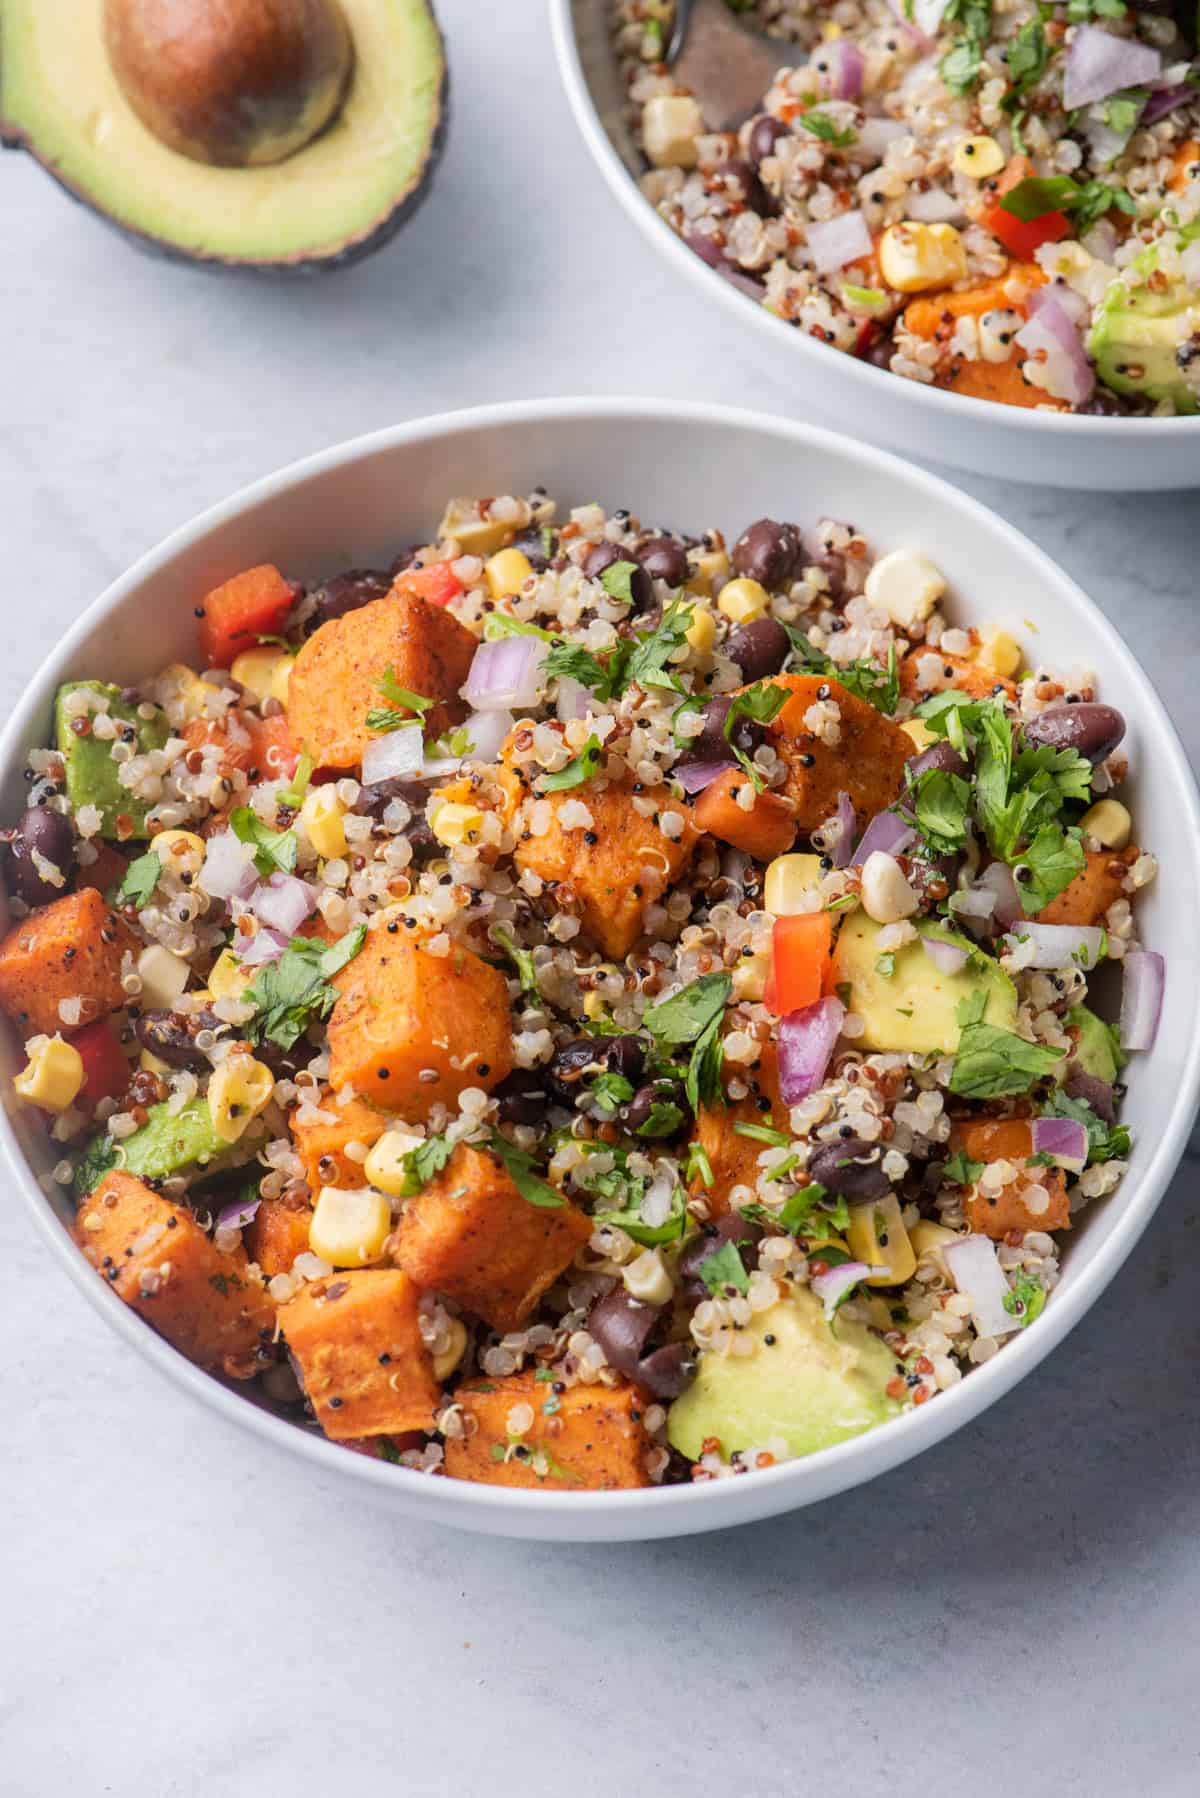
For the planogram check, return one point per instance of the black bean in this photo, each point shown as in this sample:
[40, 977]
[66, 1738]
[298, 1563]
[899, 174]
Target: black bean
[1093, 730]
[603, 555]
[667, 1371]
[589, 1056]
[665, 560]
[731, 1228]
[759, 648]
[768, 552]
[49, 833]
[1094, 1092]
[943, 756]
[765, 133]
[522, 1098]
[374, 800]
[712, 745]
[539, 547]
[638, 1115]
[741, 179]
[346, 593]
[620, 1323]
[852, 1169]
[171, 1035]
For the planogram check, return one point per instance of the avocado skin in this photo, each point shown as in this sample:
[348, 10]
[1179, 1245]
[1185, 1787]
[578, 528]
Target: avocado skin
[166, 1144]
[91, 774]
[12, 137]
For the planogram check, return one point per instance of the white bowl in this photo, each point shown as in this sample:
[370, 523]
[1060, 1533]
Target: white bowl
[1057, 449]
[689, 467]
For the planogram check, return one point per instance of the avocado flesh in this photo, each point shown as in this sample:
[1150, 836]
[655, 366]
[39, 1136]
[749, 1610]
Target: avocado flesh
[811, 1386]
[1094, 1053]
[166, 1144]
[1137, 329]
[336, 199]
[91, 773]
[914, 1010]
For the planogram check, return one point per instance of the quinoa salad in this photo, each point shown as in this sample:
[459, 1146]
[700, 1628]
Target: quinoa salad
[998, 197]
[585, 1007]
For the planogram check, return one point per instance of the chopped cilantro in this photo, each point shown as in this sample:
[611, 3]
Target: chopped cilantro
[885, 965]
[274, 850]
[761, 703]
[961, 1169]
[519, 1168]
[617, 581]
[1027, 1299]
[1026, 56]
[577, 771]
[879, 686]
[503, 624]
[992, 1062]
[647, 664]
[827, 129]
[1037, 195]
[962, 65]
[723, 1269]
[292, 991]
[522, 960]
[569, 661]
[940, 801]
[694, 1016]
[140, 880]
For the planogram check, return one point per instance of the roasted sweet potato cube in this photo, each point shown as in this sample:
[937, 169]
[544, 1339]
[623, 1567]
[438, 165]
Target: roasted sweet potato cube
[277, 1233]
[587, 1439]
[70, 949]
[336, 680]
[867, 761]
[764, 829]
[322, 1146]
[154, 1254]
[734, 1157]
[367, 1371]
[471, 1235]
[1097, 886]
[926, 671]
[412, 1028]
[1010, 1139]
[260, 748]
[606, 873]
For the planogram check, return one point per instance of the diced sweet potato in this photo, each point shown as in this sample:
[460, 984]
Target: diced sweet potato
[867, 761]
[261, 748]
[994, 1139]
[336, 679]
[587, 1439]
[1010, 1139]
[236, 614]
[607, 875]
[919, 678]
[1186, 165]
[367, 1371]
[733, 1157]
[1093, 890]
[764, 831]
[322, 1147]
[471, 1235]
[277, 1233]
[70, 949]
[411, 1028]
[156, 1257]
[935, 317]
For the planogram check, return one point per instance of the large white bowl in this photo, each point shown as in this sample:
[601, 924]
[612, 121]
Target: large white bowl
[689, 467]
[1054, 448]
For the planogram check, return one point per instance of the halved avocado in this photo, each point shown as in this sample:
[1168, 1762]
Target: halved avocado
[329, 203]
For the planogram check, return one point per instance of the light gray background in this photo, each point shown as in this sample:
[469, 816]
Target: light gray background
[181, 1610]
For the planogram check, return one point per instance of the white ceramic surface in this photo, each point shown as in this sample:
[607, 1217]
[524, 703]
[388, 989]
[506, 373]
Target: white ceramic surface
[841, 391]
[355, 504]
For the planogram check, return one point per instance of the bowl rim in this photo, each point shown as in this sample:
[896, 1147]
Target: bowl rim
[941, 405]
[651, 1511]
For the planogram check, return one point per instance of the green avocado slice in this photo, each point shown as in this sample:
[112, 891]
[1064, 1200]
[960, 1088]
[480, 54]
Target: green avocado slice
[91, 773]
[332, 201]
[1142, 341]
[907, 1004]
[168, 1143]
[1095, 1050]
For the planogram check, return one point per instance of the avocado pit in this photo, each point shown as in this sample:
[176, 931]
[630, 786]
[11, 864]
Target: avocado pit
[231, 83]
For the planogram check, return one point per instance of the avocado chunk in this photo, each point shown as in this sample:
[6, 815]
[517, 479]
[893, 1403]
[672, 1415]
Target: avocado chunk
[1146, 342]
[813, 1385]
[91, 773]
[1096, 1050]
[328, 202]
[913, 1010]
[167, 1143]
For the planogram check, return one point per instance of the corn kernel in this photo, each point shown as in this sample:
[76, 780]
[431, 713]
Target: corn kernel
[476, 536]
[445, 1363]
[507, 573]
[257, 669]
[152, 1064]
[646, 1278]
[191, 692]
[877, 1236]
[671, 125]
[750, 978]
[920, 733]
[349, 1228]
[905, 585]
[701, 633]
[595, 1005]
[385, 1165]
[1000, 652]
[1109, 822]
[708, 565]
[53, 1078]
[281, 680]
[229, 979]
[454, 824]
[179, 851]
[978, 157]
[163, 976]
[789, 878]
[830, 31]
[743, 599]
[239, 1089]
[913, 257]
[321, 815]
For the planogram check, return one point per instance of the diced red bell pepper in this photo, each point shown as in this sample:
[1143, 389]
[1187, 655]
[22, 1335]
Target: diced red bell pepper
[241, 611]
[1021, 237]
[438, 583]
[801, 960]
[105, 1068]
[275, 755]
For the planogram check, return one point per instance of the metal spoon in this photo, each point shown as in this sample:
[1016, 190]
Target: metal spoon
[728, 66]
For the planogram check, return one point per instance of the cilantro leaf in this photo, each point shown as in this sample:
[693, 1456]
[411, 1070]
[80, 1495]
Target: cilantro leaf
[940, 802]
[761, 703]
[723, 1269]
[649, 1235]
[140, 879]
[992, 1062]
[522, 960]
[961, 66]
[568, 661]
[577, 771]
[274, 850]
[1037, 195]
[879, 686]
[688, 1014]
[1053, 858]
[798, 1211]
[828, 130]
[503, 624]
[1027, 1299]
[617, 581]
[1027, 56]
[647, 664]
[1105, 1142]
[423, 1163]
[519, 1168]
[292, 991]
[961, 1169]
[610, 1091]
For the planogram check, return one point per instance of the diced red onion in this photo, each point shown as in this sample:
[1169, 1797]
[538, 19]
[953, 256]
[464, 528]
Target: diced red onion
[1050, 330]
[228, 869]
[928, 15]
[693, 777]
[976, 1272]
[1143, 984]
[1057, 945]
[874, 136]
[910, 28]
[1064, 1140]
[572, 701]
[832, 1287]
[238, 1214]
[806, 1041]
[976, 904]
[396, 756]
[1166, 100]
[283, 902]
[506, 675]
[486, 733]
[1072, 303]
[847, 70]
[1099, 64]
[734, 863]
[736, 277]
[887, 833]
[265, 945]
[998, 879]
[948, 958]
[841, 851]
[933, 207]
[834, 242]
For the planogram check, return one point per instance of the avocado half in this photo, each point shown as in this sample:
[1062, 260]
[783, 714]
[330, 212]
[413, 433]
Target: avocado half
[329, 204]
